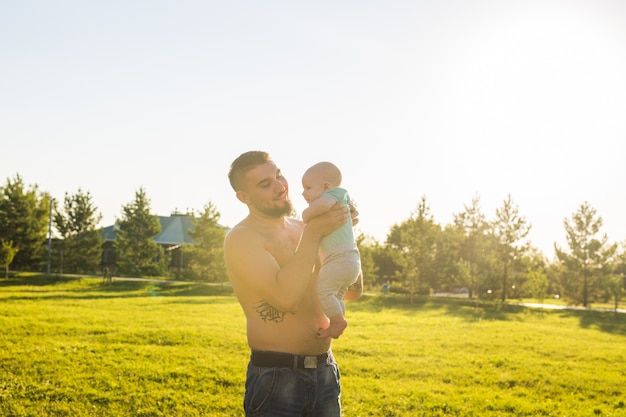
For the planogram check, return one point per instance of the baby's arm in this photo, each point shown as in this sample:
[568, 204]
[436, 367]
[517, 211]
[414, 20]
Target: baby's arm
[318, 207]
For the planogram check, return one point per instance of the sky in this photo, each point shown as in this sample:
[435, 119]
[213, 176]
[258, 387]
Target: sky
[447, 100]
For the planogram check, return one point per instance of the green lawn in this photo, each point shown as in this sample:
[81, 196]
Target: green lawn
[81, 348]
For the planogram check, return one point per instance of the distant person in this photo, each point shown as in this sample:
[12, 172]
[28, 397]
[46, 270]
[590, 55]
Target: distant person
[272, 262]
[340, 258]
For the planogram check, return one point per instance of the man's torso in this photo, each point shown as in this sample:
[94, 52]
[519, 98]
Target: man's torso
[274, 330]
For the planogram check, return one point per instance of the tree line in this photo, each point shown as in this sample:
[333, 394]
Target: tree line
[28, 214]
[491, 258]
[486, 258]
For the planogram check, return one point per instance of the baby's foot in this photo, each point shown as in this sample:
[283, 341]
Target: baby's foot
[337, 325]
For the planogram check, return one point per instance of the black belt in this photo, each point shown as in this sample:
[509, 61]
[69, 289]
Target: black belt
[287, 360]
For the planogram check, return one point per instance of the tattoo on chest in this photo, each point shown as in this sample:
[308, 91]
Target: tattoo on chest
[269, 313]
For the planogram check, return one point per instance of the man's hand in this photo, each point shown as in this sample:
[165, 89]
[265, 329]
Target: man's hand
[354, 214]
[330, 221]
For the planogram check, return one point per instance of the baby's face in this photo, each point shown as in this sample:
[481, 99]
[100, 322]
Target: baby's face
[313, 185]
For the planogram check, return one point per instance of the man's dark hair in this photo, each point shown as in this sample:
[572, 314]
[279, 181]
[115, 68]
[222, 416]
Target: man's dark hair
[244, 163]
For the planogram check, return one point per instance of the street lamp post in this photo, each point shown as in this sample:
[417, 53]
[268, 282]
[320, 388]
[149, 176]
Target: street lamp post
[49, 236]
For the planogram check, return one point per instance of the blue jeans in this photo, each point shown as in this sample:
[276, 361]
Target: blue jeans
[284, 392]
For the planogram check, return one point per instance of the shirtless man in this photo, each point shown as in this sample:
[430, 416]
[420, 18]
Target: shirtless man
[271, 260]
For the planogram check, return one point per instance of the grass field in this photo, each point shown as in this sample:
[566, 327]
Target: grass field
[81, 348]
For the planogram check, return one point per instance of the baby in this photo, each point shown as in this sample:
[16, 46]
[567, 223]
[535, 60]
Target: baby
[340, 258]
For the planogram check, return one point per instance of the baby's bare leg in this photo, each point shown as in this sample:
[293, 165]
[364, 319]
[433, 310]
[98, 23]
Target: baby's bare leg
[338, 324]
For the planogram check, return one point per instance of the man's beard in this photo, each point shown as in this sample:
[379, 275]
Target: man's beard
[278, 211]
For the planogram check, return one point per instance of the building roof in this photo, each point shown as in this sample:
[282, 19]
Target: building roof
[174, 230]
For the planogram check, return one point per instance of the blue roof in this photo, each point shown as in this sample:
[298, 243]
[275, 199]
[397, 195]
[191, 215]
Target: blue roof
[174, 230]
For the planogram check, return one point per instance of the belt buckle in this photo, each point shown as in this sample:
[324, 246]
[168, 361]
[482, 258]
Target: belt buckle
[310, 362]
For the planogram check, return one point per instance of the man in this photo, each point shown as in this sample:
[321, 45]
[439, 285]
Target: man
[271, 260]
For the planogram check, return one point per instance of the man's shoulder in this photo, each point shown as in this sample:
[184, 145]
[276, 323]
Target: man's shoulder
[239, 232]
[293, 222]
[249, 230]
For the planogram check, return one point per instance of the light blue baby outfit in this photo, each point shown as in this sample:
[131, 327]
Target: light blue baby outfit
[341, 262]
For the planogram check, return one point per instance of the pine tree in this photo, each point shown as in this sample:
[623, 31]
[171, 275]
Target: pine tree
[415, 245]
[510, 229]
[205, 259]
[473, 263]
[24, 221]
[589, 258]
[138, 254]
[80, 249]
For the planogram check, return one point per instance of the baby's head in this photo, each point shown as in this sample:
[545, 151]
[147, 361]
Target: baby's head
[319, 178]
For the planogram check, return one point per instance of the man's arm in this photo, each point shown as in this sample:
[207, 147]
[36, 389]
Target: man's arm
[250, 264]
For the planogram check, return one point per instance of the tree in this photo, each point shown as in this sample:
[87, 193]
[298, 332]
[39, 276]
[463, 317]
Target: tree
[384, 257]
[510, 229]
[615, 284]
[415, 244]
[205, 258]
[81, 244]
[452, 271]
[367, 247]
[24, 215]
[7, 254]
[616, 280]
[473, 229]
[589, 256]
[537, 282]
[138, 254]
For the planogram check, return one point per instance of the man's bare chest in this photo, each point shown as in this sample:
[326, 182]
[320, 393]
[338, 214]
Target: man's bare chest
[282, 246]
[282, 250]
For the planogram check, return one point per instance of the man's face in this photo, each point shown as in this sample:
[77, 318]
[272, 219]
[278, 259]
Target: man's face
[267, 191]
